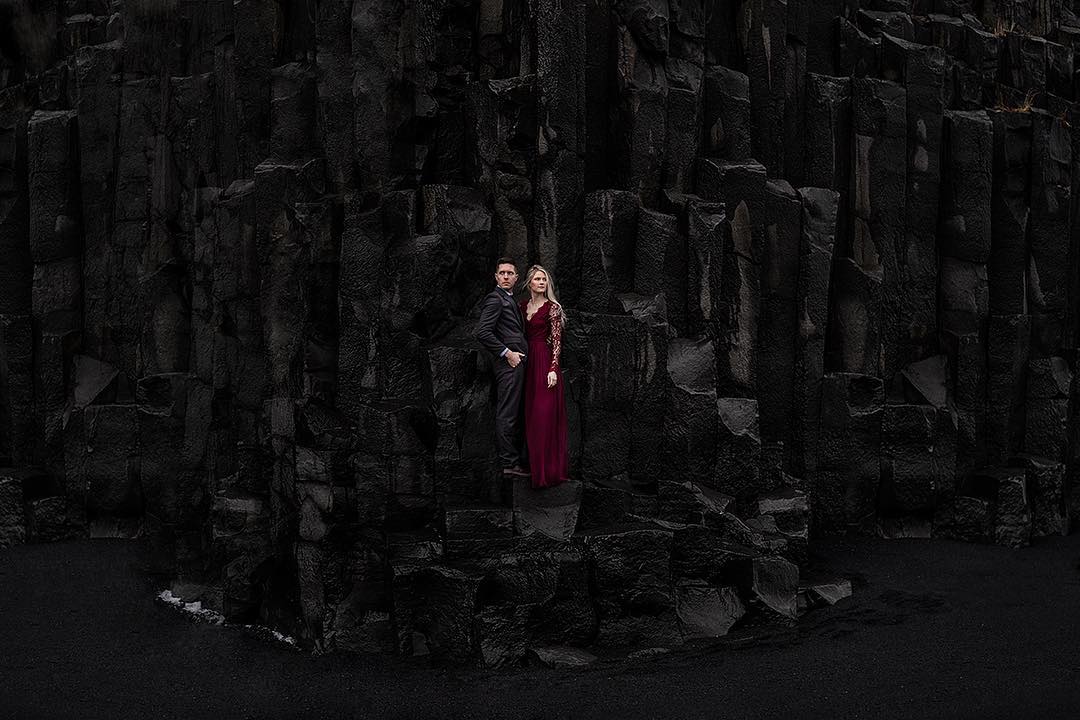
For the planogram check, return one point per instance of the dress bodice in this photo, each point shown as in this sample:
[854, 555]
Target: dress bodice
[544, 327]
[536, 327]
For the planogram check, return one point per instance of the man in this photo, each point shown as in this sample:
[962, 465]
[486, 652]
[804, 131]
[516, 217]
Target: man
[502, 333]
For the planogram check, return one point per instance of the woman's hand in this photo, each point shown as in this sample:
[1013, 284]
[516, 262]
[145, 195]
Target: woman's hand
[552, 379]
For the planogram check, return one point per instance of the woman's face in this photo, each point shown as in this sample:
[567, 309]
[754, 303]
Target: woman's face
[538, 284]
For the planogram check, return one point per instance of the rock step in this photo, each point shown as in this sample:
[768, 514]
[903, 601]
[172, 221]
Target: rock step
[478, 522]
[552, 512]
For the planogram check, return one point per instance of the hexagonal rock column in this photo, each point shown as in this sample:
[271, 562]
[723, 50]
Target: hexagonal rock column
[53, 519]
[56, 249]
[818, 240]
[616, 398]
[17, 426]
[1010, 212]
[727, 113]
[18, 430]
[963, 284]
[1047, 494]
[1046, 408]
[739, 450]
[778, 327]
[992, 505]
[1012, 516]
[691, 419]
[560, 175]
[845, 486]
[921, 69]
[741, 187]
[766, 56]
[99, 97]
[12, 517]
[460, 391]
[918, 460]
[103, 464]
[363, 245]
[828, 132]
[1048, 277]
[1007, 361]
[241, 539]
[879, 182]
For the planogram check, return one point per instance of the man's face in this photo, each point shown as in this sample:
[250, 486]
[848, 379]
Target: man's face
[506, 276]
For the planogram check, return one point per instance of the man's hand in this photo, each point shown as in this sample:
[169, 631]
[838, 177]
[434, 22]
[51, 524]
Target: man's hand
[552, 379]
[514, 358]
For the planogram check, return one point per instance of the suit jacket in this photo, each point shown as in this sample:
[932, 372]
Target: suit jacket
[501, 325]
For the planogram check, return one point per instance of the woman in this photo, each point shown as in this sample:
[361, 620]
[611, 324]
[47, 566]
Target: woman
[545, 407]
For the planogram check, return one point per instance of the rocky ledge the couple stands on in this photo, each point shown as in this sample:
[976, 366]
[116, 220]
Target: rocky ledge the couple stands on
[535, 576]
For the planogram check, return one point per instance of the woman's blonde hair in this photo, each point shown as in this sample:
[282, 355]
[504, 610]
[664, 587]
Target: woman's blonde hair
[550, 292]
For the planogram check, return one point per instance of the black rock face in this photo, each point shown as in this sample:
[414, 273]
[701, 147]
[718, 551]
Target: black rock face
[821, 262]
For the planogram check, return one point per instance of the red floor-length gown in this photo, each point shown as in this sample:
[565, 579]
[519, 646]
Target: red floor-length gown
[545, 408]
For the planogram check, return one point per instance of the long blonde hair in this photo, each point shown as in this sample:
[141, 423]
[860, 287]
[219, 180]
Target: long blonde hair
[549, 293]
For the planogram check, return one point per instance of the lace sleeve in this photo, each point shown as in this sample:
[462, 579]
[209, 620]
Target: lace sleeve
[556, 337]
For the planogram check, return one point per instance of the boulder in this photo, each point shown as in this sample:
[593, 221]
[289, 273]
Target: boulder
[705, 611]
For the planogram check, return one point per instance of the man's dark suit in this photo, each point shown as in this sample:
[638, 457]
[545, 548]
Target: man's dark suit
[502, 327]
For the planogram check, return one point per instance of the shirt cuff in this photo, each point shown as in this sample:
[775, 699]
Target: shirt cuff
[503, 353]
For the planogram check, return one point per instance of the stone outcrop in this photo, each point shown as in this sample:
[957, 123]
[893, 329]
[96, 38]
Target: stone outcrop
[819, 259]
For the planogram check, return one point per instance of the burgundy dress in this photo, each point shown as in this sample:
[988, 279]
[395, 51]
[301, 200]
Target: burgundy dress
[545, 408]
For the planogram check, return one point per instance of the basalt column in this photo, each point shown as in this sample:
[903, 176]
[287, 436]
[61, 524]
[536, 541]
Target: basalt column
[818, 263]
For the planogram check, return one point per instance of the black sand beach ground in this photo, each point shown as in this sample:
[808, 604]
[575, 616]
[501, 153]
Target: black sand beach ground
[935, 630]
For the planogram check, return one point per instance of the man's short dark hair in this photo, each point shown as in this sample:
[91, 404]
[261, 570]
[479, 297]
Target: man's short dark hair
[505, 261]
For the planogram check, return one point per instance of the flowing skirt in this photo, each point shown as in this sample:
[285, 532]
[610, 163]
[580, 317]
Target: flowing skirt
[545, 419]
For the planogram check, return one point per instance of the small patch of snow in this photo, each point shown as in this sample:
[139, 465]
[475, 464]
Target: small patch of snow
[271, 635]
[193, 610]
[166, 596]
[196, 611]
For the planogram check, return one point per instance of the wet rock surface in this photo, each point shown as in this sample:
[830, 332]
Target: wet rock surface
[819, 262]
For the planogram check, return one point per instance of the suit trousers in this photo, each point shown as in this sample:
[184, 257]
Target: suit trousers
[509, 388]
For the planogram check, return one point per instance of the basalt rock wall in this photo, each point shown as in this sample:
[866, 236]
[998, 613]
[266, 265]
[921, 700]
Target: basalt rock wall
[819, 260]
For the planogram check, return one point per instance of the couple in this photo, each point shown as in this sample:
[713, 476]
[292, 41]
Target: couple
[526, 340]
